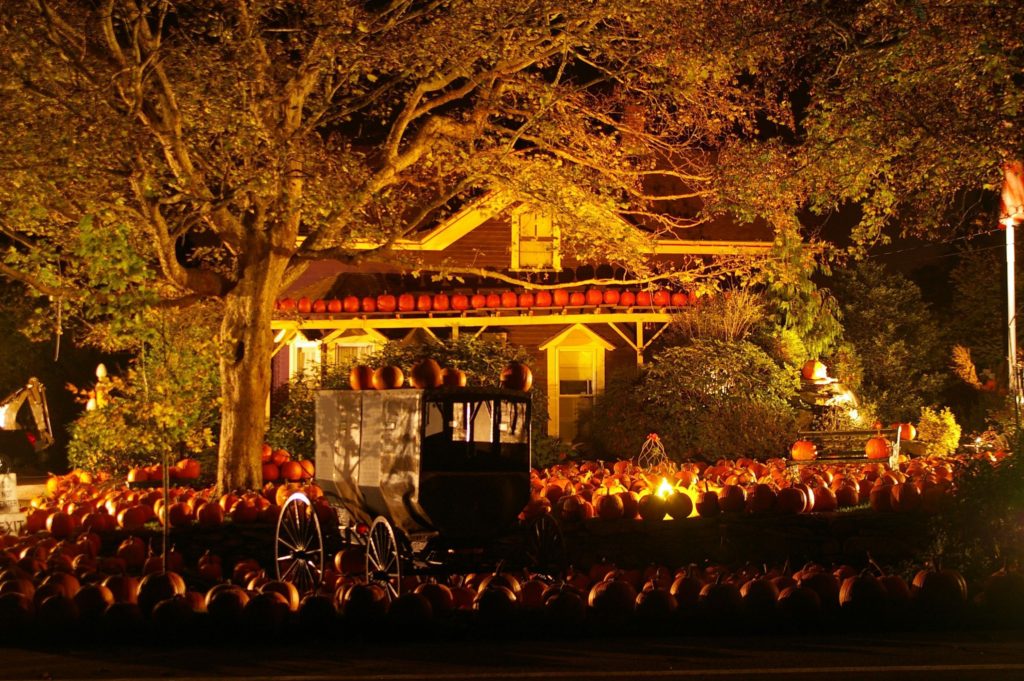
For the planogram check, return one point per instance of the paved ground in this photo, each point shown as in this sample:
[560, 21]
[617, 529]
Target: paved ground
[904, 657]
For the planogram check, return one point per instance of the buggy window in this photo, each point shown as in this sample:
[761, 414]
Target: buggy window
[476, 435]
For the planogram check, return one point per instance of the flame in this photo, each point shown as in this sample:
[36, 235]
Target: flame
[665, 488]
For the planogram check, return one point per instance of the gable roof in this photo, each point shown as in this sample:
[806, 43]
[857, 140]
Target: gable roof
[575, 330]
[491, 205]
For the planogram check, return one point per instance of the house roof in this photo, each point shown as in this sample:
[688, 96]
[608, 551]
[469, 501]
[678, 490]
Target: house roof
[476, 213]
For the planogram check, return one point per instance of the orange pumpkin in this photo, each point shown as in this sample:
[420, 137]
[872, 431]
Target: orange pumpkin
[814, 370]
[388, 378]
[803, 450]
[361, 377]
[426, 374]
[877, 448]
[517, 376]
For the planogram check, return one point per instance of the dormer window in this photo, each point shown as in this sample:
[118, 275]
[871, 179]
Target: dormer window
[535, 240]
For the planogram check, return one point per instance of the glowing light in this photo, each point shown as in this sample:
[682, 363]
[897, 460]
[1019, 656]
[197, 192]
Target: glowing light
[665, 488]
[855, 415]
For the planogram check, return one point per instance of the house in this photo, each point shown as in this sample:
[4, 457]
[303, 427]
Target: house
[579, 335]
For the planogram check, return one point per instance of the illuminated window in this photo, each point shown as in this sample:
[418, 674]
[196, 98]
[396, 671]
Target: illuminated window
[575, 368]
[535, 240]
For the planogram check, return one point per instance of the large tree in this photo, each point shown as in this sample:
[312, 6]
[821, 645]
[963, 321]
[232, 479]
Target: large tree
[161, 153]
[906, 110]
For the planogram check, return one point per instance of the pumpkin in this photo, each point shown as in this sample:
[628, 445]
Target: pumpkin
[577, 299]
[791, 500]
[542, 299]
[319, 306]
[406, 302]
[652, 507]
[611, 296]
[424, 302]
[907, 431]
[386, 302]
[707, 504]
[678, 505]
[159, 586]
[803, 450]
[594, 296]
[627, 299]
[560, 297]
[368, 304]
[334, 305]
[517, 376]
[286, 589]
[609, 507]
[732, 499]
[305, 305]
[661, 298]
[361, 377]
[453, 378]
[814, 370]
[349, 304]
[644, 298]
[426, 374]
[460, 301]
[526, 299]
[478, 300]
[440, 302]
[292, 471]
[612, 599]
[387, 378]
[877, 448]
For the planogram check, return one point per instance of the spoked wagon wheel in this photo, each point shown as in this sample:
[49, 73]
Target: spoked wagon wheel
[545, 546]
[383, 558]
[299, 544]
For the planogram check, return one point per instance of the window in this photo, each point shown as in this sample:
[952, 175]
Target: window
[575, 367]
[535, 241]
[305, 358]
[576, 381]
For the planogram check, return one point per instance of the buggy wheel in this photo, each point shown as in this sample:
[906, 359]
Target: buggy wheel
[383, 558]
[299, 545]
[545, 546]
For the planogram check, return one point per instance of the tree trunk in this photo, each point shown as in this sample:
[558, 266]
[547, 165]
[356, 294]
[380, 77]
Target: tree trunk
[246, 343]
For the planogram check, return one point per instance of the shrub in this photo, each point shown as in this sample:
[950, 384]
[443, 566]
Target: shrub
[165, 403]
[981, 531]
[709, 399]
[938, 431]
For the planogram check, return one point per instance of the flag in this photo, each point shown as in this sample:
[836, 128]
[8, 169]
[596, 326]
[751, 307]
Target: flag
[1012, 209]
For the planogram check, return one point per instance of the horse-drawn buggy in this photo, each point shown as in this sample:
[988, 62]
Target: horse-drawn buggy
[428, 481]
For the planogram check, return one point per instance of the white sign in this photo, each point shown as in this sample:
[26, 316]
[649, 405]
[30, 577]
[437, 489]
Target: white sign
[8, 493]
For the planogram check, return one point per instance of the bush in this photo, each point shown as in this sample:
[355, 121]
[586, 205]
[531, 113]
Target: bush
[165, 403]
[708, 399]
[982, 532]
[938, 431]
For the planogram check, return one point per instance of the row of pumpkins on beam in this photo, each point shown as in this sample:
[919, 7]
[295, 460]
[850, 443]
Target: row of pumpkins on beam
[442, 302]
[428, 374]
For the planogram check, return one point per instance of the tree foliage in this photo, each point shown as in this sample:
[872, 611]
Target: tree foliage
[906, 109]
[898, 341]
[164, 403]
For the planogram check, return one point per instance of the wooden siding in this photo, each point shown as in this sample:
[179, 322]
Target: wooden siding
[486, 246]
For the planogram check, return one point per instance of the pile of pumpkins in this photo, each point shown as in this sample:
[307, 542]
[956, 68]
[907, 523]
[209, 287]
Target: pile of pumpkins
[428, 374]
[79, 502]
[581, 491]
[185, 469]
[461, 302]
[70, 587]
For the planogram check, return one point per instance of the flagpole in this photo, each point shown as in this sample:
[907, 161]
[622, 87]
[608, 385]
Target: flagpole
[1011, 308]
